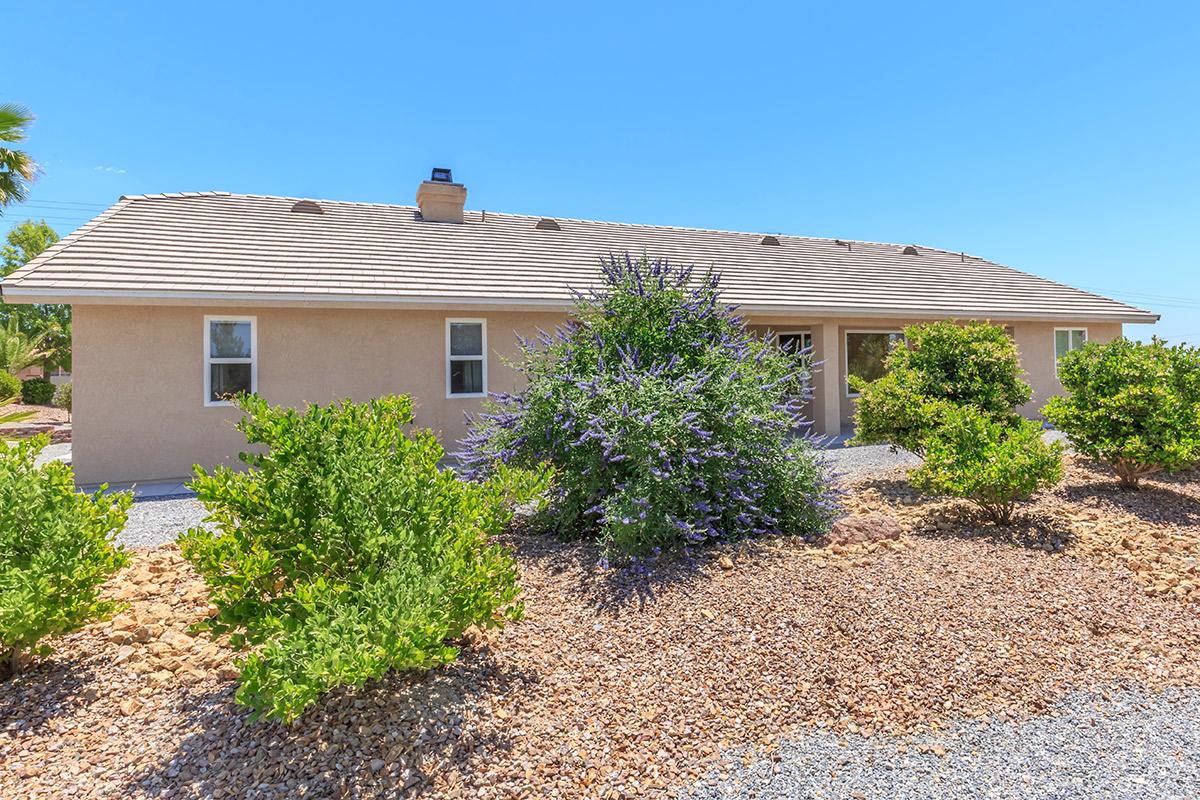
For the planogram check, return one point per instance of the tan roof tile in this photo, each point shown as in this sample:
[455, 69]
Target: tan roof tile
[213, 245]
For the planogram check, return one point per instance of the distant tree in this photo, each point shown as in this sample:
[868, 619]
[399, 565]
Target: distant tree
[51, 323]
[24, 243]
[17, 168]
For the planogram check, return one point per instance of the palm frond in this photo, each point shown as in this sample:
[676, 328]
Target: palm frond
[14, 119]
[13, 416]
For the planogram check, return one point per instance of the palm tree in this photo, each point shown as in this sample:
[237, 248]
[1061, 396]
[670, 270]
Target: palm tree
[10, 417]
[17, 168]
[17, 350]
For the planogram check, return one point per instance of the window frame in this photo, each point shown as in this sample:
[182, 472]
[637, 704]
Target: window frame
[1054, 343]
[209, 360]
[482, 357]
[849, 394]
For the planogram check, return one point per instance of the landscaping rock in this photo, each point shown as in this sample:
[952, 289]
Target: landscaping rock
[865, 528]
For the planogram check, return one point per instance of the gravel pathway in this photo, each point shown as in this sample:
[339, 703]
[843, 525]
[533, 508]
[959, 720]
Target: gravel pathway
[850, 463]
[154, 522]
[1132, 745]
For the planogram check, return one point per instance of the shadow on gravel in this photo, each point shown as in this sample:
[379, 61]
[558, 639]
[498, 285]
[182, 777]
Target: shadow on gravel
[46, 689]
[615, 590]
[1164, 499]
[1030, 531]
[944, 519]
[385, 739]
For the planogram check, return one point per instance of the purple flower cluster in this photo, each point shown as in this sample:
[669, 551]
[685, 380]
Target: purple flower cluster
[669, 424]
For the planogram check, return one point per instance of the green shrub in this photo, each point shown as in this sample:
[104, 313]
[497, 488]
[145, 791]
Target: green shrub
[667, 422]
[56, 549]
[344, 552]
[62, 397]
[940, 365]
[10, 386]
[1134, 406]
[37, 391]
[992, 464]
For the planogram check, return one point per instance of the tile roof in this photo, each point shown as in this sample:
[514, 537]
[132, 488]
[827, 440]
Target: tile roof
[217, 246]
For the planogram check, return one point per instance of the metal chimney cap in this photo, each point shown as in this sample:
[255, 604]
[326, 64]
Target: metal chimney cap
[441, 175]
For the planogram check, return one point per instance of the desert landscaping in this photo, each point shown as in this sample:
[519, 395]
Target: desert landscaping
[618, 685]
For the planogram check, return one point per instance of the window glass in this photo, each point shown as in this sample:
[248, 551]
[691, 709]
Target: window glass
[1067, 340]
[466, 377]
[865, 353]
[227, 380]
[795, 342]
[466, 339]
[229, 339]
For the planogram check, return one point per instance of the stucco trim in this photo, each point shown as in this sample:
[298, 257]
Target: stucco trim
[299, 300]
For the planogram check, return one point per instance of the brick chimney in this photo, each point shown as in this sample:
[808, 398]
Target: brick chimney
[440, 198]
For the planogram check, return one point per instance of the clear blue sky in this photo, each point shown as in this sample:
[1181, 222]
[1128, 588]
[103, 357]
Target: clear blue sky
[1058, 138]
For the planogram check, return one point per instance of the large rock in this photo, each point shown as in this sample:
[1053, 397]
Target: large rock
[864, 528]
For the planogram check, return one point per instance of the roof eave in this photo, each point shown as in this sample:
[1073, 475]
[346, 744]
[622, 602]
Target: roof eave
[21, 294]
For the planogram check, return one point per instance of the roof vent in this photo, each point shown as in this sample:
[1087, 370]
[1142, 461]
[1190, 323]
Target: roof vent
[547, 224]
[773, 241]
[910, 250]
[307, 207]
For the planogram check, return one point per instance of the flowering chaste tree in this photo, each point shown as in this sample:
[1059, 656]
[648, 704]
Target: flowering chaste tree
[668, 423]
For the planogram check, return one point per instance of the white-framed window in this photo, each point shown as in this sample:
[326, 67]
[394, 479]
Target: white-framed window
[230, 358]
[865, 353]
[1066, 340]
[794, 341]
[466, 357]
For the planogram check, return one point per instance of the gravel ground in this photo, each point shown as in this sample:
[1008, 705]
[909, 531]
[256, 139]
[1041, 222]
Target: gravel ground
[614, 684]
[1128, 745]
[851, 463]
[158, 521]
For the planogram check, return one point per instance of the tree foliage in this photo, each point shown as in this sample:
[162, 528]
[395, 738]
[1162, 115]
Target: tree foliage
[668, 423]
[18, 350]
[1134, 406]
[940, 366]
[56, 549]
[344, 551]
[49, 322]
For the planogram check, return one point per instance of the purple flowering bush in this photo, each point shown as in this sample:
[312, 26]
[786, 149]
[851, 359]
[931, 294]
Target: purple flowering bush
[668, 423]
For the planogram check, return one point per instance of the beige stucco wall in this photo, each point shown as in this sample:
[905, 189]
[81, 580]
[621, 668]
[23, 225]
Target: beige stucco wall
[1035, 343]
[139, 410]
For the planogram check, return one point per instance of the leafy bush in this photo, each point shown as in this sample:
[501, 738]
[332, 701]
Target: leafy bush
[668, 423]
[1134, 406]
[941, 365]
[56, 549]
[344, 552]
[62, 397]
[10, 386]
[37, 391]
[992, 464]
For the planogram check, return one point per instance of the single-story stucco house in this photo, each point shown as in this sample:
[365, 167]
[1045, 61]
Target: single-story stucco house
[180, 299]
